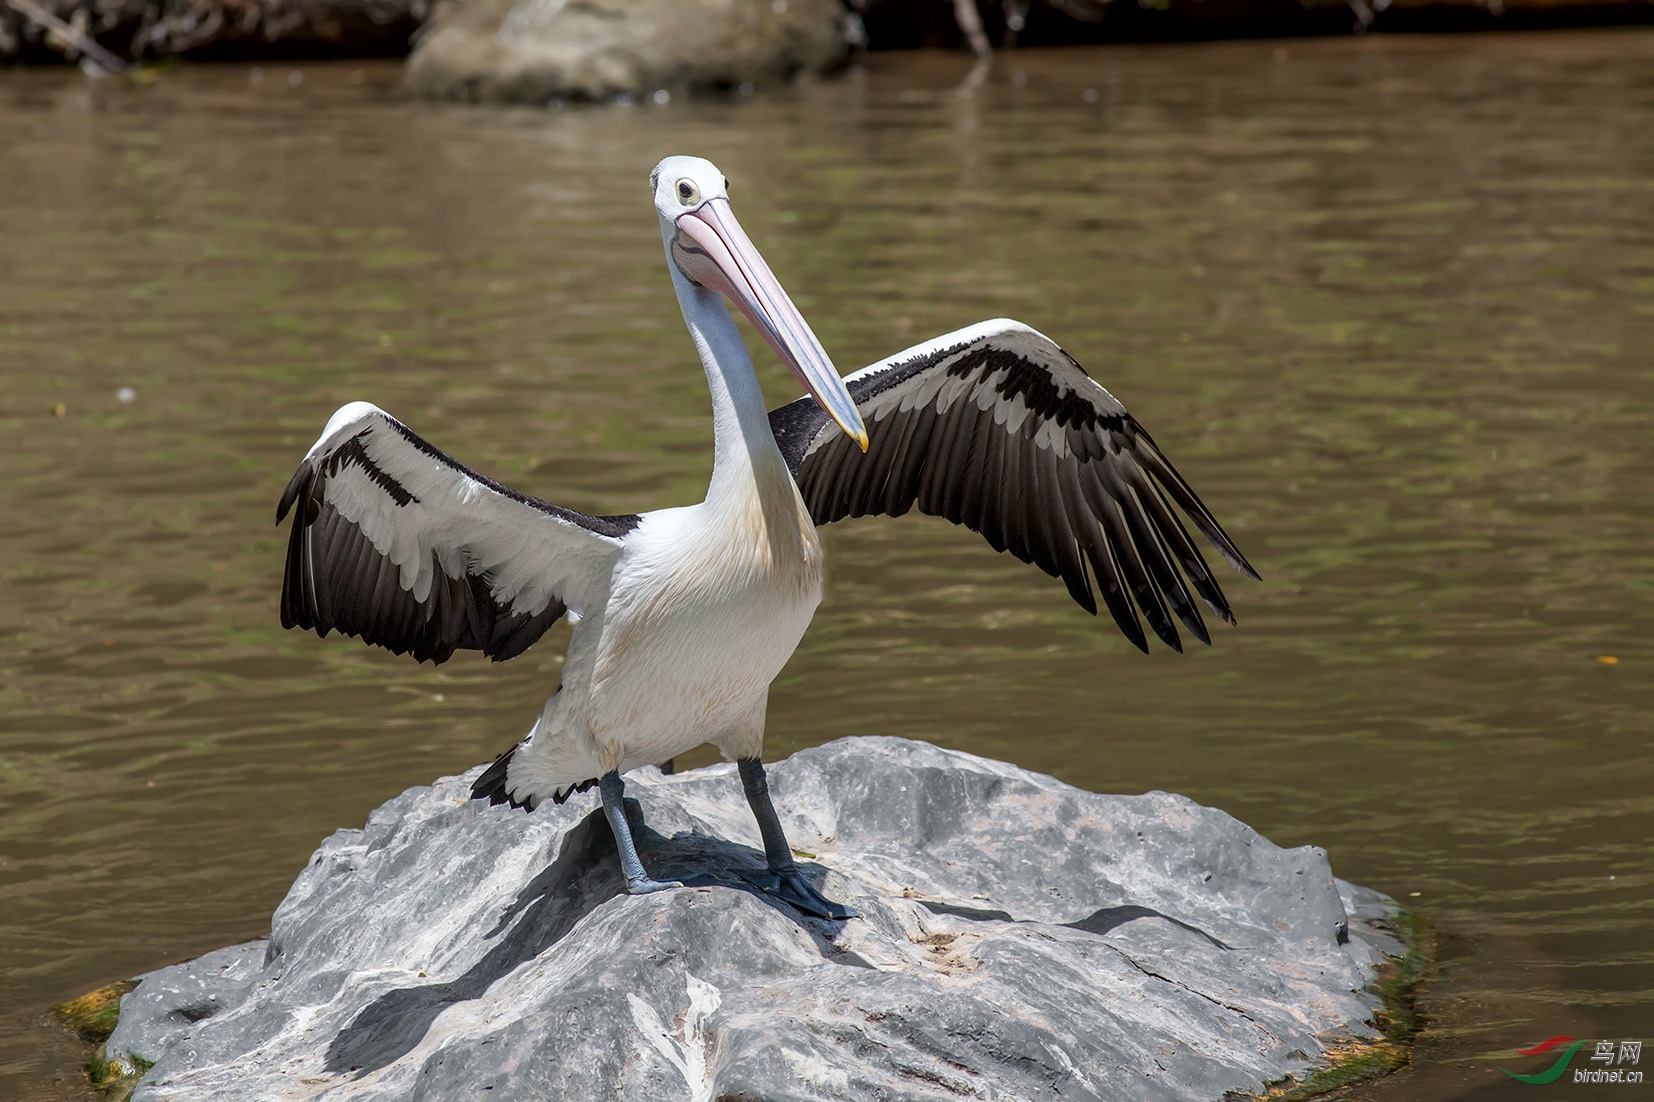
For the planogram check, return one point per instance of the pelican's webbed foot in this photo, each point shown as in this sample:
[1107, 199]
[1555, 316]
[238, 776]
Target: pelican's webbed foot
[783, 879]
[789, 886]
[638, 882]
[643, 885]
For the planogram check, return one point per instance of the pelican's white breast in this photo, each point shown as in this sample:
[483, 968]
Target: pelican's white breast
[708, 603]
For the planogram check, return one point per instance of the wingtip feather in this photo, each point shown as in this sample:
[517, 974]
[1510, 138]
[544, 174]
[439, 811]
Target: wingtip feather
[295, 486]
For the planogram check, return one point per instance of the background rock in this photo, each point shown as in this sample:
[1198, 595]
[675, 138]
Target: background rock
[534, 50]
[1021, 939]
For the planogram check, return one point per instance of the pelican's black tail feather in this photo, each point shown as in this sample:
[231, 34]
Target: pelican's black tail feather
[563, 794]
[491, 786]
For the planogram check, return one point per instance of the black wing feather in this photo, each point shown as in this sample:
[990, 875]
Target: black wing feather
[336, 579]
[997, 429]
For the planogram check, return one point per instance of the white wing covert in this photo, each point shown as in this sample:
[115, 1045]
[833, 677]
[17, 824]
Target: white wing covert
[399, 544]
[996, 428]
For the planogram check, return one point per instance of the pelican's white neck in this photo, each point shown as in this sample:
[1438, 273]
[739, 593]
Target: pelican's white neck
[741, 423]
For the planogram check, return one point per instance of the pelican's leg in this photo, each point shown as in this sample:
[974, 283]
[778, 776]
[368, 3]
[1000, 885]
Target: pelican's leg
[614, 806]
[784, 881]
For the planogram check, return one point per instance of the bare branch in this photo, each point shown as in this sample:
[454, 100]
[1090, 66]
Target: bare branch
[72, 36]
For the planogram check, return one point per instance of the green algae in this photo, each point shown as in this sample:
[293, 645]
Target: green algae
[1358, 1060]
[93, 1016]
[115, 1078]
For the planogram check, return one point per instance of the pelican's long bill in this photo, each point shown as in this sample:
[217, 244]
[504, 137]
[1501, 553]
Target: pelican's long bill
[715, 252]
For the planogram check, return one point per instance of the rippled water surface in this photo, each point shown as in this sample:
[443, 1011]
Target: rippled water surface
[1389, 304]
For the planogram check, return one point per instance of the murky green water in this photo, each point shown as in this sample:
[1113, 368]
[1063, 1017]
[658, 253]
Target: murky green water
[1389, 304]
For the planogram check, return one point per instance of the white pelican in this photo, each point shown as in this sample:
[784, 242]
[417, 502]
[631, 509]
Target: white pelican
[686, 615]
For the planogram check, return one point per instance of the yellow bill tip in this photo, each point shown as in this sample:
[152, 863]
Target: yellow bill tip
[856, 431]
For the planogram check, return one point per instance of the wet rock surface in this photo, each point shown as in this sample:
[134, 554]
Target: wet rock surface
[1020, 938]
[533, 51]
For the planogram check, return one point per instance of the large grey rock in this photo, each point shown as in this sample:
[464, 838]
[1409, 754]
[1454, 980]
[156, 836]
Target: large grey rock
[534, 50]
[1021, 939]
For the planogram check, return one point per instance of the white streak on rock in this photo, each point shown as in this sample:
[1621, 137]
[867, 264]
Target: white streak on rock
[693, 1051]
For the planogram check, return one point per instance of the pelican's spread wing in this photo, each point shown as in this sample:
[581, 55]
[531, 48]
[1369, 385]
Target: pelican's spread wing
[996, 428]
[401, 545]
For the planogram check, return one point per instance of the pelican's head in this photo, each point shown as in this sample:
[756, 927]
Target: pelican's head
[710, 249]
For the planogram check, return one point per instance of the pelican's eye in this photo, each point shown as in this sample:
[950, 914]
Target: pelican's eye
[688, 193]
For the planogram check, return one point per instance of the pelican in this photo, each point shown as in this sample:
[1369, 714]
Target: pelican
[683, 616]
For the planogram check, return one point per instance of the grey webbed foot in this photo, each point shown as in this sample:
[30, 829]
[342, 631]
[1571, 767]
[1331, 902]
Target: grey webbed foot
[782, 879]
[644, 885]
[792, 889]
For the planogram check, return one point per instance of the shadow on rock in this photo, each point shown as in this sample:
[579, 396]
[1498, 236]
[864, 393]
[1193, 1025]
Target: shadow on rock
[584, 875]
[1107, 918]
[1100, 921]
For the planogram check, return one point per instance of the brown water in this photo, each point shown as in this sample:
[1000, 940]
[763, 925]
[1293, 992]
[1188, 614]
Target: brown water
[1388, 303]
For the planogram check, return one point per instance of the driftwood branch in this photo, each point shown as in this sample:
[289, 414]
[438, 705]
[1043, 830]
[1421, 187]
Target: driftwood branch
[970, 25]
[218, 28]
[73, 37]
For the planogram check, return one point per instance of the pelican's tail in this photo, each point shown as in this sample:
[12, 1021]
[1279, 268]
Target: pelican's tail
[491, 786]
[494, 786]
